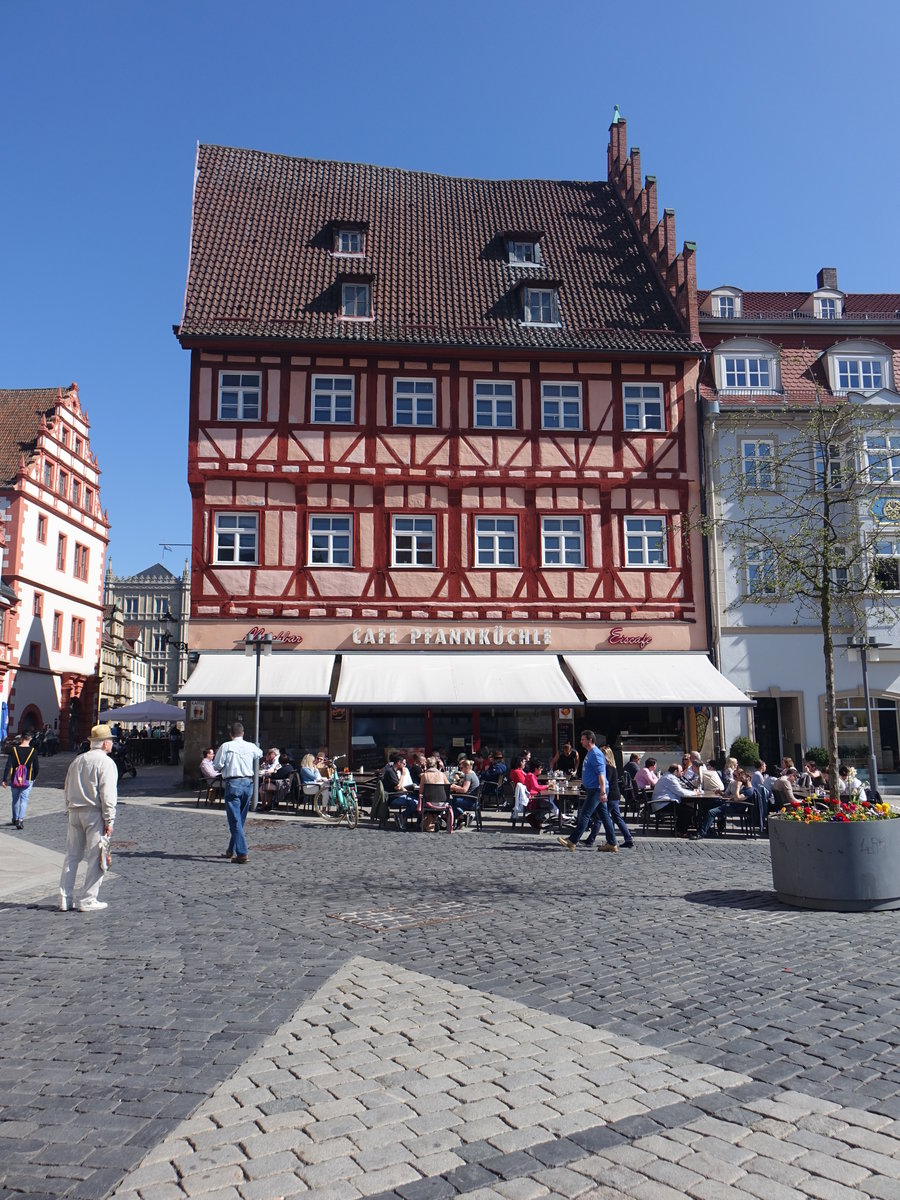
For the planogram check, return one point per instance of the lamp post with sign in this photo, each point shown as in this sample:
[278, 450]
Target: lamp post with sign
[258, 644]
[864, 645]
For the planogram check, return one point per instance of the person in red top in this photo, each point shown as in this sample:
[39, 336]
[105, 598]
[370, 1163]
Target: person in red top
[518, 774]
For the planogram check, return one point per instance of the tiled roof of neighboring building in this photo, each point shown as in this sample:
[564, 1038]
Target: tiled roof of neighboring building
[21, 410]
[262, 265]
[157, 571]
[804, 375]
[781, 305]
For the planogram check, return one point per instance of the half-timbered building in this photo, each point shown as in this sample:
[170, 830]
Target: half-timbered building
[442, 435]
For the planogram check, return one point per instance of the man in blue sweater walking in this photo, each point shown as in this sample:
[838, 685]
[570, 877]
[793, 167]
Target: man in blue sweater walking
[593, 777]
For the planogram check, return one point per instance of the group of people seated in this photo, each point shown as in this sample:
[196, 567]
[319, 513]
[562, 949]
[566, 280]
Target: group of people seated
[280, 778]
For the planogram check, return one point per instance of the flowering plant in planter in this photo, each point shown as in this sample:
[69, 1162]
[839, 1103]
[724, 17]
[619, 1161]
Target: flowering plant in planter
[810, 812]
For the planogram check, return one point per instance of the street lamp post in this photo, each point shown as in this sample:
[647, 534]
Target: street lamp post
[257, 644]
[864, 645]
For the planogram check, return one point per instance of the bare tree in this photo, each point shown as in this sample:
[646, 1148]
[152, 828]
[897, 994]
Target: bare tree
[793, 495]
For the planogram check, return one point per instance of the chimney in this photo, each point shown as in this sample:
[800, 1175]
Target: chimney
[827, 278]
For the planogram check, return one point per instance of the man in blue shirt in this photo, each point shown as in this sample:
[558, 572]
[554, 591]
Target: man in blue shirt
[593, 778]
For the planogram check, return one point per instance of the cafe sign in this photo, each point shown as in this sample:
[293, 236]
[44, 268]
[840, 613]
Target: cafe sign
[454, 635]
[618, 637]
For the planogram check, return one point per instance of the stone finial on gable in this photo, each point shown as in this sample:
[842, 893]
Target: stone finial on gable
[677, 270]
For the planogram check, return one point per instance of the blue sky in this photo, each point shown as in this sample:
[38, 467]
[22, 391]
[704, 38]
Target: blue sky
[772, 130]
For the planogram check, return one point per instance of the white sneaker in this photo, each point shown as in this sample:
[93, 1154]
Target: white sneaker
[66, 904]
[91, 905]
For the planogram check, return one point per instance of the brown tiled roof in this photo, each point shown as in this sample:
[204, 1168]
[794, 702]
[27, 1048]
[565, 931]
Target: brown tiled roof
[21, 410]
[261, 264]
[783, 304]
[803, 371]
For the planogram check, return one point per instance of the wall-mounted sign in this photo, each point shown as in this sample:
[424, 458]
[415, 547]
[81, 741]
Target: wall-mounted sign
[198, 710]
[283, 637]
[618, 637]
[453, 635]
[564, 714]
[886, 508]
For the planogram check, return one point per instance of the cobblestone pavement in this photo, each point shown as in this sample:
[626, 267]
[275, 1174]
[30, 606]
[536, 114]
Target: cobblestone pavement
[414, 1016]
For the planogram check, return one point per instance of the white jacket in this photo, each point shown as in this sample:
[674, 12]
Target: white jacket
[92, 781]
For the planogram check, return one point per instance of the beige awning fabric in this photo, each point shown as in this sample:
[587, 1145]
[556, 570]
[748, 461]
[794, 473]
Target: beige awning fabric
[223, 675]
[613, 677]
[465, 679]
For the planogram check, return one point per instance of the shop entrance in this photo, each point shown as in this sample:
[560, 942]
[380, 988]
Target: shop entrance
[765, 723]
[636, 729]
[887, 734]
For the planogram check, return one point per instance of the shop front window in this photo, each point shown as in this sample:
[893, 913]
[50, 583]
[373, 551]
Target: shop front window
[298, 727]
[398, 729]
[513, 730]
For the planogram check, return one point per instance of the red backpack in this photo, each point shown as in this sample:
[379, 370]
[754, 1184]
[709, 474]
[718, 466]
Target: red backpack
[20, 774]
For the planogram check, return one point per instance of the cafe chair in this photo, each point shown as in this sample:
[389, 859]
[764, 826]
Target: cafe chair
[471, 815]
[210, 790]
[436, 811]
[491, 790]
[666, 815]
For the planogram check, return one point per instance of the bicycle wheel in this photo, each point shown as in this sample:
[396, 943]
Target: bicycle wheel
[352, 812]
[325, 809]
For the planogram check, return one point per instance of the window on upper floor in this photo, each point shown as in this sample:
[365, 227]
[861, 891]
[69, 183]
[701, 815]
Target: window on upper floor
[887, 563]
[829, 464]
[76, 491]
[34, 654]
[761, 570]
[234, 540]
[160, 642]
[561, 406]
[883, 457]
[330, 541]
[725, 306]
[38, 604]
[81, 561]
[496, 542]
[541, 306]
[349, 240]
[77, 446]
[494, 405]
[643, 407]
[42, 528]
[827, 308]
[645, 542]
[524, 252]
[239, 396]
[63, 485]
[56, 641]
[61, 552]
[758, 465]
[562, 541]
[88, 499]
[131, 606]
[76, 638]
[160, 605]
[158, 677]
[860, 374]
[840, 574]
[355, 300]
[64, 436]
[414, 402]
[414, 542]
[332, 399]
[747, 372]
[48, 475]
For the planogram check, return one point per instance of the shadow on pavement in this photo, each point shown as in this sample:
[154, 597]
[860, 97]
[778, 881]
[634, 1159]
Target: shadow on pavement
[736, 898]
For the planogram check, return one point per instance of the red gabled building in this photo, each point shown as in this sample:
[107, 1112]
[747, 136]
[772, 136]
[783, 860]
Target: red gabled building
[442, 434]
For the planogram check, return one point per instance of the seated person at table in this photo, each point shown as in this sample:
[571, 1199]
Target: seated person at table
[518, 773]
[481, 760]
[309, 773]
[849, 786]
[690, 774]
[406, 779]
[782, 790]
[738, 790]
[632, 767]
[270, 763]
[812, 777]
[566, 760]
[207, 770]
[759, 778]
[463, 788]
[710, 779]
[728, 771]
[396, 794]
[415, 765]
[670, 790]
[496, 770]
[434, 789]
[646, 777]
[323, 762]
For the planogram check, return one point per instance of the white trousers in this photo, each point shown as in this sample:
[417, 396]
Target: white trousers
[85, 832]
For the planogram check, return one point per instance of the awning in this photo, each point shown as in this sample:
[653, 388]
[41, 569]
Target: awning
[648, 677]
[232, 674]
[428, 677]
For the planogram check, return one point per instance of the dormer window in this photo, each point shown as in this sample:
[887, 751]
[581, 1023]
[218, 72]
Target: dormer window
[827, 308]
[349, 239]
[725, 307]
[524, 253]
[726, 304]
[859, 366]
[355, 300]
[541, 307]
[746, 365]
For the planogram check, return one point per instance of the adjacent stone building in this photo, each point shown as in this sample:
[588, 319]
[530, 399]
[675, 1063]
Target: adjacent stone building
[155, 603]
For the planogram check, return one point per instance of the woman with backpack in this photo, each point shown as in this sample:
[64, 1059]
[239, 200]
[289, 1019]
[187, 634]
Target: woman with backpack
[21, 771]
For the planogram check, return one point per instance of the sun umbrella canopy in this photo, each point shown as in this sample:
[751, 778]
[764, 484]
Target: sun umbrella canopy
[147, 710]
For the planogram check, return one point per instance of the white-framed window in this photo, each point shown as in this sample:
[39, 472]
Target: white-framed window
[758, 465]
[829, 463]
[235, 540]
[840, 573]
[643, 406]
[860, 374]
[131, 606]
[887, 563]
[158, 677]
[239, 395]
[541, 307]
[827, 308]
[496, 542]
[524, 252]
[330, 541]
[645, 542]
[494, 405]
[348, 241]
[413, 540]
[415, 402]
[562, 541]
[883, 457]
[724, 306]
[746, 371]
[355, 300]
[332, 399]
[561, 405]
[761, 568]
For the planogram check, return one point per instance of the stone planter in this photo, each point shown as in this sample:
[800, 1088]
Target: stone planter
[831, 865]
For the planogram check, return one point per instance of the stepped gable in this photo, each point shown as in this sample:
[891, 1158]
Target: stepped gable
[262, 267]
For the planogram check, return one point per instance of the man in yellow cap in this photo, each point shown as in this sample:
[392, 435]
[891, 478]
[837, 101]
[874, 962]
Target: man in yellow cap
[91, 791]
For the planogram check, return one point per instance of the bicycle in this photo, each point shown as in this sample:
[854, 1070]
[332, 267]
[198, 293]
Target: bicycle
[340, 801]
